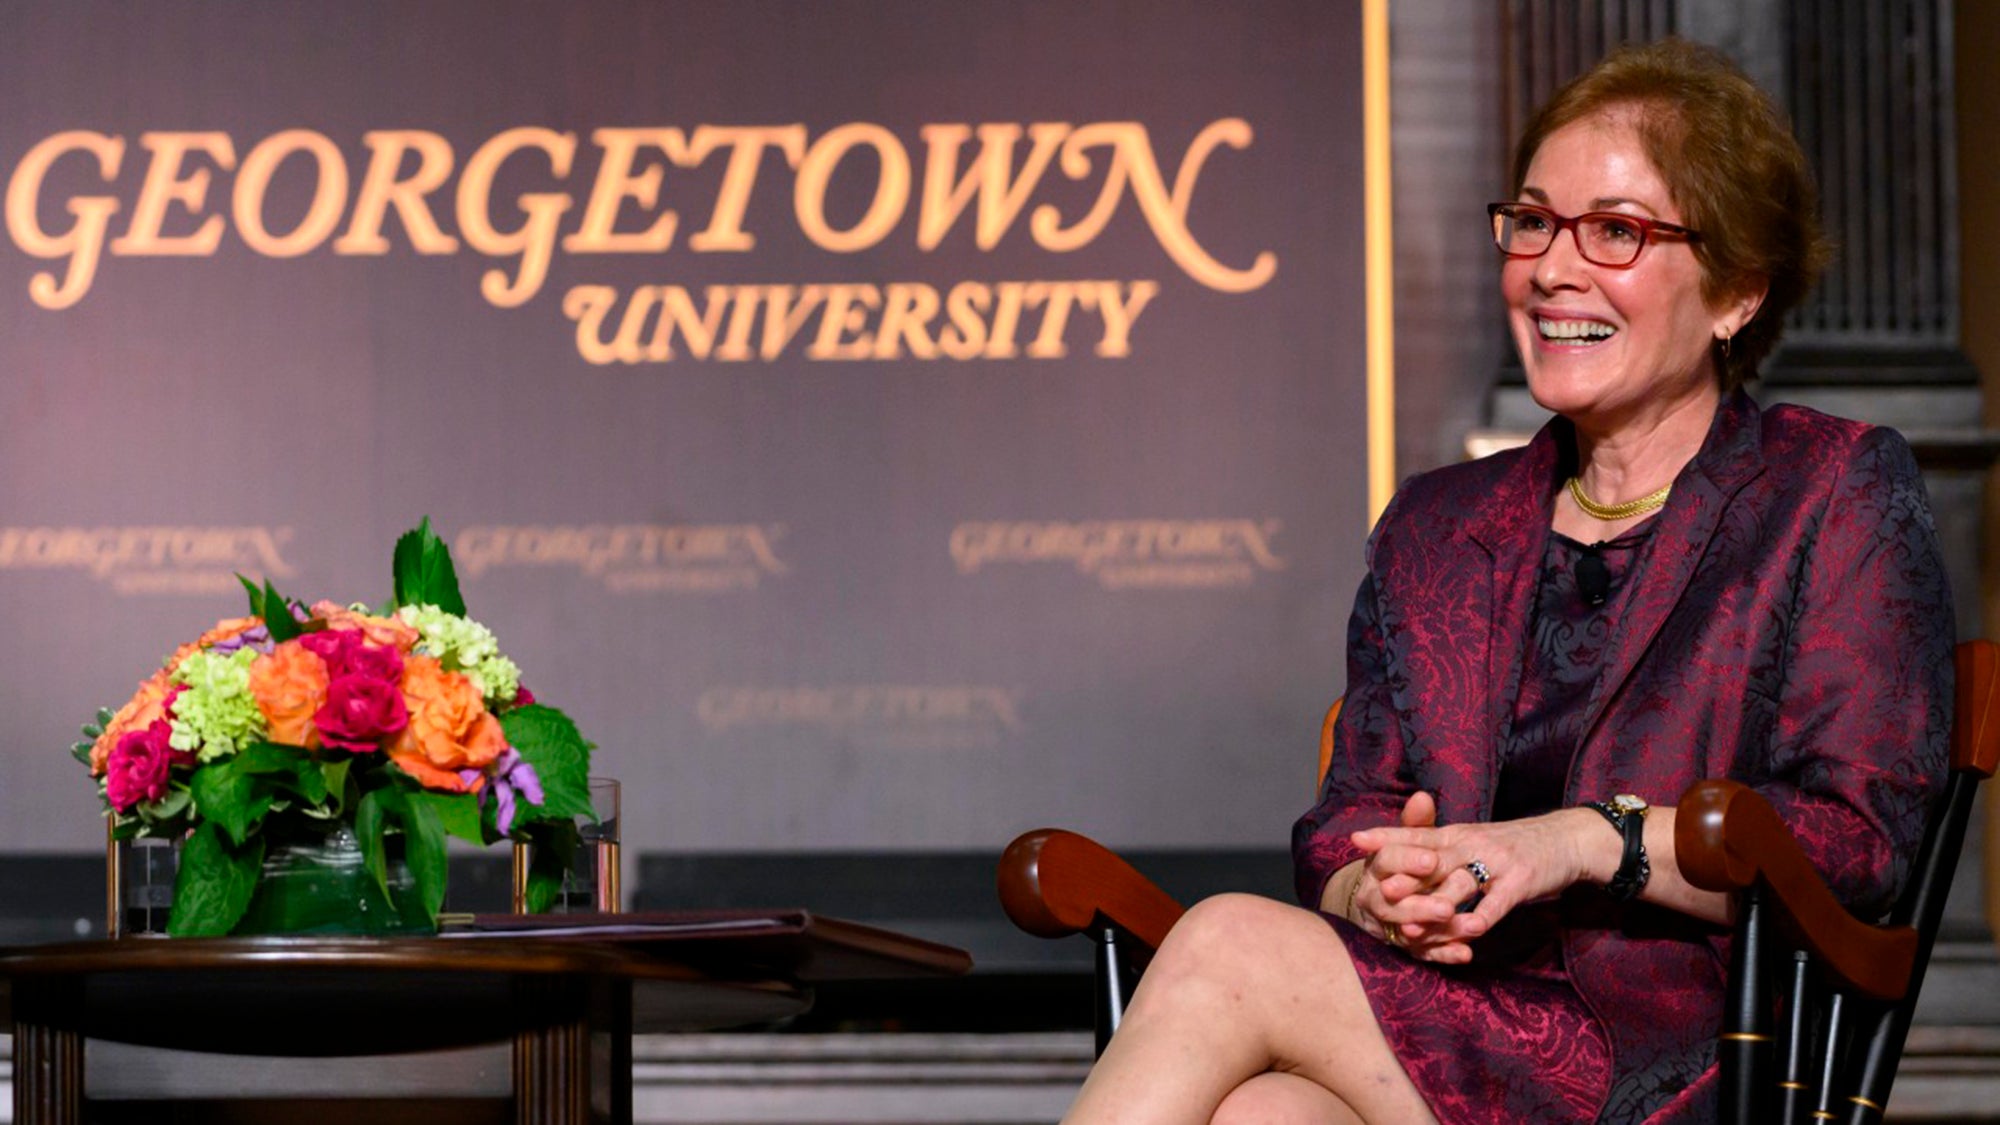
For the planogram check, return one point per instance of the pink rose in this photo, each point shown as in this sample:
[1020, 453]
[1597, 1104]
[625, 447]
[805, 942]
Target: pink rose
[360, 712]
[137, 768]
[347, 652]
[391, 632]
[374, 662]
[332, 646]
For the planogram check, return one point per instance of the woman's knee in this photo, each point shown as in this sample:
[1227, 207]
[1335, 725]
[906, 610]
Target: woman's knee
[1230, 921]
[1247, 940]
[1277, 1098]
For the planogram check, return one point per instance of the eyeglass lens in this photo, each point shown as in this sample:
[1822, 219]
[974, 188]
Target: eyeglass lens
[1602, 238]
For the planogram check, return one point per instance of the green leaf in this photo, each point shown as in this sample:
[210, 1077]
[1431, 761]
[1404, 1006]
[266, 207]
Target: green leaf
[256, 596]
[335, 772]
[265, 757]
[175, 803]
[424, 852]
[288, 767]
[278, 616]
[424, 574]
[81, 752]
[271, 607]
[457, 812]
[549, 742]
[304, 782]
[552, 847]
[215, 883]
[266, 603]
[371, 822]
[230, 797]
[269, 757]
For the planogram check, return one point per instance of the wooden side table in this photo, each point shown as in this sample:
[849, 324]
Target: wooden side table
[569, 998]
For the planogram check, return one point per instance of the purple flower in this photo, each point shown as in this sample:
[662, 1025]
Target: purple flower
[257, 636]
[509, 776]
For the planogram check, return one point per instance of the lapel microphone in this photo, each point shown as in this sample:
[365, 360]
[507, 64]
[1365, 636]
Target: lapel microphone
[1593, 578]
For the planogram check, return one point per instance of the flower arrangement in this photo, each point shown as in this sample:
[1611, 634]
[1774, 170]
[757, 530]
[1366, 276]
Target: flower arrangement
[403, 725]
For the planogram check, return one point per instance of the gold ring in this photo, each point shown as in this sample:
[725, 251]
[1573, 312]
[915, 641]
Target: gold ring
[1392, 932]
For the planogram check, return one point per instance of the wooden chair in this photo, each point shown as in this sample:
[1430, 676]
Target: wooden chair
[1819, 1002]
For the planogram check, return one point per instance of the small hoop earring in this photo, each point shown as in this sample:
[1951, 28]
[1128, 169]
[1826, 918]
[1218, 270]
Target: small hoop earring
[1725, 344]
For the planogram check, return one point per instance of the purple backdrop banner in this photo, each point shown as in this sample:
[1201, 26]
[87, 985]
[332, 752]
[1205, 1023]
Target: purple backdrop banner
[885, 425]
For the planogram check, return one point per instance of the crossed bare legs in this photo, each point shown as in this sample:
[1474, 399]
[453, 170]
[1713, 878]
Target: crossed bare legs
[1250, 1012]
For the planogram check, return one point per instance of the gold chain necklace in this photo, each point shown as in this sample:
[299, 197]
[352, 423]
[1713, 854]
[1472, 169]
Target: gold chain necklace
[1610, 512]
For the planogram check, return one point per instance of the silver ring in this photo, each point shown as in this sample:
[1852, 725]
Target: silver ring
[1480, 875]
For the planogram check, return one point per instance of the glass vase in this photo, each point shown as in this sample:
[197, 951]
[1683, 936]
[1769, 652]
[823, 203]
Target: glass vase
[140, 877]
[319, 885]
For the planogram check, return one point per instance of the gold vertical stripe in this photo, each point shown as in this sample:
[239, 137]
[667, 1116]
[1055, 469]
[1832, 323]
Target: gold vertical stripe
[114, 880]
[1380, 256]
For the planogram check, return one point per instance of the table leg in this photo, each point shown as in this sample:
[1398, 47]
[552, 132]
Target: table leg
[48, 1060]
[612, 1075]
[552, 1052]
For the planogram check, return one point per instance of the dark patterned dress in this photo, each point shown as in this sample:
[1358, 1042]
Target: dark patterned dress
[1508, 1036]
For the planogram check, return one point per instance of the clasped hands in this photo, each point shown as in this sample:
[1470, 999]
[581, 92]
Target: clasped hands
[1415, 879]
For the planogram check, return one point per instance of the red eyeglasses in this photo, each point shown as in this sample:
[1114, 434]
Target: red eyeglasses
[1606, 238]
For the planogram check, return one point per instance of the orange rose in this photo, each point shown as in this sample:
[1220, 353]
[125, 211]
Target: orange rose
[449, 730]
[391, 632]
[289, 685]
[226, 630]
[138, 713]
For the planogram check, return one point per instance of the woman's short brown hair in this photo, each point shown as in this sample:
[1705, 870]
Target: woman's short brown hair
[1730, 162]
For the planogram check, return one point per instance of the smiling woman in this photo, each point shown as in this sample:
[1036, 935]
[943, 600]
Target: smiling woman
[1620, 348]
[1667, 584]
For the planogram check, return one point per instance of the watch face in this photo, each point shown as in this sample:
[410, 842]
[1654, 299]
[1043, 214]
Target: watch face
[1628, 804]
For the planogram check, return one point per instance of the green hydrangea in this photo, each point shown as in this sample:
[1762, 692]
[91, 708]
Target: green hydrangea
[216, 716]
[463, 645]
[498, 679]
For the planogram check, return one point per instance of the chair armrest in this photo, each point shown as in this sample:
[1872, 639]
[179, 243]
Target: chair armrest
[1727, 838]
[1055, 883]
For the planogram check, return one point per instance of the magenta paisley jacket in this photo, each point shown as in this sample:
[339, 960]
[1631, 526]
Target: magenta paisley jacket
[1791, 629]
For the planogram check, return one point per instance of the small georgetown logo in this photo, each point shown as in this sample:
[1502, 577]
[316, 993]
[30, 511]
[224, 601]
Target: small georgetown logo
[880, 716]
[633, 558]
[1129, 554]
[150, 560]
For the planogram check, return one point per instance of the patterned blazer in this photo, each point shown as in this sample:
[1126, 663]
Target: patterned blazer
[1792, 629]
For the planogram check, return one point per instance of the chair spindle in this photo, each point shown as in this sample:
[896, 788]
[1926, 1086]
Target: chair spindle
[1746, 1044]
[1794, 1092]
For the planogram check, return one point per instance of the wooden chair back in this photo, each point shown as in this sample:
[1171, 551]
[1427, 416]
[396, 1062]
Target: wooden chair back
[1326, 726]
[1819, 1002]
